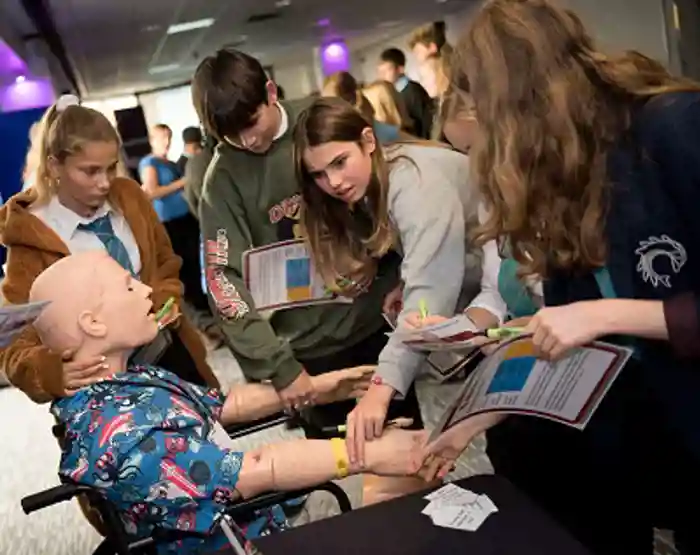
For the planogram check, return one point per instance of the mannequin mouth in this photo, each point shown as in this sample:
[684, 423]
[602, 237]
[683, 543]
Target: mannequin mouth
[151, 310]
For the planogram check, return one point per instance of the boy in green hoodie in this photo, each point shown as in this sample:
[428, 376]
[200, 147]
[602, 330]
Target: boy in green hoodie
[250, 199]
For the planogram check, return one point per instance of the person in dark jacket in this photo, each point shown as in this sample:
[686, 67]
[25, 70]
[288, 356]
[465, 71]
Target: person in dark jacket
[590, 170]
[392, 66]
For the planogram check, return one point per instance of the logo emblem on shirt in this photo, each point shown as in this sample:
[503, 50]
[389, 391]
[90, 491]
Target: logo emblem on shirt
[285, 215]
[650, 250]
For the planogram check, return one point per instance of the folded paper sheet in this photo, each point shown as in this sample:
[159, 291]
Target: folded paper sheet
[14, 318]
[461, 509]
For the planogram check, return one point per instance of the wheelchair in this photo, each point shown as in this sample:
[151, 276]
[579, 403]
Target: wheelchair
[118, 542]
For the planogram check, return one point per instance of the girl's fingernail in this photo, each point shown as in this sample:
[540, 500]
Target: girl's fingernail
[104, 366]
[102, 359]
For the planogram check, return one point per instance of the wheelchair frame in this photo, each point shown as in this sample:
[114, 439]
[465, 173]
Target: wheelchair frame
[118, 542]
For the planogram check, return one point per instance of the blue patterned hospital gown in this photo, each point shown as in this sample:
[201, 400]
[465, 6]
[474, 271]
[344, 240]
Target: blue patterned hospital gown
[145, 439]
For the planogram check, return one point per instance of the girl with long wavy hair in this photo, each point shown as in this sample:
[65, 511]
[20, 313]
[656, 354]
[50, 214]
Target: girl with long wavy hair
[590, 169]
[362, 201]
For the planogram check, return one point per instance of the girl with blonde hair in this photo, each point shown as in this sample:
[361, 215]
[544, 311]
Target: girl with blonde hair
[388, 105]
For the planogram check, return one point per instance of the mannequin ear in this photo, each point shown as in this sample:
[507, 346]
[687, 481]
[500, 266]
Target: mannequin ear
[369, 141]
[91, 326]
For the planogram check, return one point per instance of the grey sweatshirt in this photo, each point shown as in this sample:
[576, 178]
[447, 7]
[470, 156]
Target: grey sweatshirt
[433, 207]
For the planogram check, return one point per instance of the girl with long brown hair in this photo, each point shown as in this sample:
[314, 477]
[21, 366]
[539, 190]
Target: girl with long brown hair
[362, 201]
[590, 169]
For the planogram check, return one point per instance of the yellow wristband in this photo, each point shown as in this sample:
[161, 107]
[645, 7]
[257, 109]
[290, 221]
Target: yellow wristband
[340, 453]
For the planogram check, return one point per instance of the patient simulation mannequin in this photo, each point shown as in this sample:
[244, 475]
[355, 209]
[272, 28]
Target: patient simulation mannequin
[145, 437]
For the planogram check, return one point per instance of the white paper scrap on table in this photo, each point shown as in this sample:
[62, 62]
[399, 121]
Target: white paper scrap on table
[454, 507]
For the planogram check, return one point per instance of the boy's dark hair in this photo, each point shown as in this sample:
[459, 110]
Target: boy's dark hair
[227, 90]
[393, 56]
[192, 136]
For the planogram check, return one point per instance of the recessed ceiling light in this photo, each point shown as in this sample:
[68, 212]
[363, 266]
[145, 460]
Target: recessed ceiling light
[190, 25]
[150, 28]
[163, 69]
[20, 79]
[387, 24]
[283, 3]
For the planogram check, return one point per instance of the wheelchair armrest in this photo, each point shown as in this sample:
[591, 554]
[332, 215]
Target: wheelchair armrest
[236, 431]
[52, 496]
[273, 498]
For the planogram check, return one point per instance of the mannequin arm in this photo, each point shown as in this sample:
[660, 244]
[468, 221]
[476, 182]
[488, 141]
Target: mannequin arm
[302, 463]
[254, 401]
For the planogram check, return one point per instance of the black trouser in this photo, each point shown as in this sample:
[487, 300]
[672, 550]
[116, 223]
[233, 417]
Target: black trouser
[365, 352]
[608, 493]
[184, 236]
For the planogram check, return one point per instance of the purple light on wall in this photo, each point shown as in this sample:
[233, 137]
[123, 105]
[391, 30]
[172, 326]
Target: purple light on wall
[335, 56]
[27, 94]
[10, 63]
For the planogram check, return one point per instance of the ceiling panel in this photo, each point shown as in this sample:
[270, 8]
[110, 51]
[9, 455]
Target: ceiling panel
[115, 44]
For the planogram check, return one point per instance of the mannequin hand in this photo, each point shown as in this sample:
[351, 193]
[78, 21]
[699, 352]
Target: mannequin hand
[441, 454]
[170, 317]
[366, 421]
[414, 321]
[396, 453]
[393, 302]
[299, 394]
[350, 383]
[78, 374]
[555, 330]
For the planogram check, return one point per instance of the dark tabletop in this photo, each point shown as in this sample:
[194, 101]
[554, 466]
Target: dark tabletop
[397, 527]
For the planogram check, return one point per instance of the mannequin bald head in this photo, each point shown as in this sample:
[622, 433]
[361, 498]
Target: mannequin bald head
[96, 307]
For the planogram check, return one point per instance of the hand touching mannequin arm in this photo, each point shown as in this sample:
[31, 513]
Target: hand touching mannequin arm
[297, 464]
[254, 401]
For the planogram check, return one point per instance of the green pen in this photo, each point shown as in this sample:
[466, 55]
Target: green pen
[503, 333]
[423, 309]
[165, 309]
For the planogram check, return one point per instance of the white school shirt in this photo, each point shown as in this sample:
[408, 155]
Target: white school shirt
[64, 222]
[489, 298]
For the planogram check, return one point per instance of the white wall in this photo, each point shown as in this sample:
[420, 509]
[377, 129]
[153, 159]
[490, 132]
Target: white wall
[626, 24]
[174, 108]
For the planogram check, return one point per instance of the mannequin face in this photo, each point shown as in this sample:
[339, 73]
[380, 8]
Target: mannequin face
[95, 306]
[342, 169]
[125, 318]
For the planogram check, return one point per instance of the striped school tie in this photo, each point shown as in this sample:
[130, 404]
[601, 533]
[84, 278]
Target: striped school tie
[102, 227]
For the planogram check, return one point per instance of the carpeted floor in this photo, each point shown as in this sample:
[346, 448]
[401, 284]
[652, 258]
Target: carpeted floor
[30, 456]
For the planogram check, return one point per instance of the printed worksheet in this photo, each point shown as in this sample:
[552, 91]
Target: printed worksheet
[443, 365]
[281, 276]
[456, 334]
[513, 380]
[15, 317]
